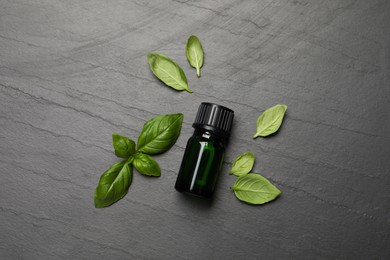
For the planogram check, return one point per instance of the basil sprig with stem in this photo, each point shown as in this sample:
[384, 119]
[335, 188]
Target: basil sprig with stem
[249, 187]
[157, 136]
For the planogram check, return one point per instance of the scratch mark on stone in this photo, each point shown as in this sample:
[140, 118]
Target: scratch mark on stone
[339, 128]
[201, 7]
[48, 175]
[44, 218]
[258, 26]
[50, 102]
[20, 41]
[57, 134]
[328, 202]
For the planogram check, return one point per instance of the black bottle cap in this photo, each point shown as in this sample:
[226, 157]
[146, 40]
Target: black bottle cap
[216, 118]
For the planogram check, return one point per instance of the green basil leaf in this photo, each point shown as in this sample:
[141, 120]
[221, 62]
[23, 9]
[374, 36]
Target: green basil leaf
[146, 165]
[124, 147]
[160, 133]
[270, 120]
[194, 51]
[168, 71]
[113, 184]
[254, 189]
[243, 164]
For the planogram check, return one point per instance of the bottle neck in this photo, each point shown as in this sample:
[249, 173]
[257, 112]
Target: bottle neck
[208, 134]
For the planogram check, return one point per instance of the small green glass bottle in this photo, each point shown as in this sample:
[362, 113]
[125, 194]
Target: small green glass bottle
[205, 150]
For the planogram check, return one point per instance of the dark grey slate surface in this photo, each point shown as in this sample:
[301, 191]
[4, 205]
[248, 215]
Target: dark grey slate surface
[73, 72]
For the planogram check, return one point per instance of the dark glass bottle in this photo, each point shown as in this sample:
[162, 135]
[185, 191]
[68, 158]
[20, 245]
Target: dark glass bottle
[205, 150]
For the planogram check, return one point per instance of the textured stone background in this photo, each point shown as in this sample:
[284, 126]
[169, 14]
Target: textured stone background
[72, 72]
